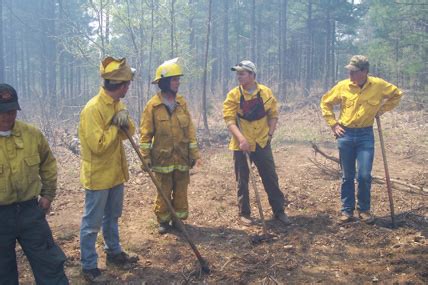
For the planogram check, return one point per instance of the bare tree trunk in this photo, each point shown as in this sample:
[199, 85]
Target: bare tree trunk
[172, 18]
[137, 51]
[11, 59]
[253, 30]
[333, 52]
[140, 79]
[326, 65]
[51, 54]
[225, 55]
[282, 86]
[240, 52]
[100, 30]
[107, 34]
[259, 43]
[30, 75]
[152, 27]
[204, 94]
[309, 47]
[70, 76]
[79, 78]
[215, 58]
[192, 50]
[397, 66]
[22, 73]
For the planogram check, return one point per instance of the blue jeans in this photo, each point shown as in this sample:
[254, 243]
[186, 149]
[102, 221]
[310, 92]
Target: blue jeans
[356, 146]
[102, 208]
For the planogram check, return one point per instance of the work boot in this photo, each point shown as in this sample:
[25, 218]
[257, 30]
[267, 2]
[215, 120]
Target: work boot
[94, 275]
[246, 220]
[345, 217]
[163, 228]
[122, 260]
[283, 218]
[366, 217]
[175, 225]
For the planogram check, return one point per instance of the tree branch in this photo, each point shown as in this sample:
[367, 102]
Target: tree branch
[378, 179]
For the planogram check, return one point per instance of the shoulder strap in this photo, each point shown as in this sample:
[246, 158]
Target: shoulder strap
[241, 98]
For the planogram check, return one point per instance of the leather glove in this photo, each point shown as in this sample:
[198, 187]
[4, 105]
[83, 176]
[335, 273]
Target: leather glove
[148, 162]
[120, 119]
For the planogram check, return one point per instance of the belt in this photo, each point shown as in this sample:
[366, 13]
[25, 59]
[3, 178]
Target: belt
[27, 203]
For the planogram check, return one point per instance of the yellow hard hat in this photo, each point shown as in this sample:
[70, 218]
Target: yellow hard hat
[169, 68]
[116, 70]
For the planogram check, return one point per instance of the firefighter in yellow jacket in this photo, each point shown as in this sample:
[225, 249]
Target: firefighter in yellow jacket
[28, 178]
[104, 168]
[361, 98]
[168, 142]
[255, 108]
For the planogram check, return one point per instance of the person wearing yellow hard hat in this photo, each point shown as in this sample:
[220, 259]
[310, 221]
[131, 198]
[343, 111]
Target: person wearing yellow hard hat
[168, 142]
[104, 167]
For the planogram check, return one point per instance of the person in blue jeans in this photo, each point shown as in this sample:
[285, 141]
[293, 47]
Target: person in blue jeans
[104, 168]
[356, 145]
[361, 99]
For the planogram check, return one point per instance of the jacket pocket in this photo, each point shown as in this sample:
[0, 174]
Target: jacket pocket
[184, 150]
[32, 167]
[184, 122]
[162, 124]
[371, 106]
[373, 102]
[349, 103]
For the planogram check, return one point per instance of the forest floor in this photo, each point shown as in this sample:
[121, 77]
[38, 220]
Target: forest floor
[314, 249]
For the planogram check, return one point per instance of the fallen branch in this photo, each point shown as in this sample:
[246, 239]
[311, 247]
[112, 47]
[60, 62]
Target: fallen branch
[273, 279]
[377, 179]
[325, 169]
[318, 150]
[399, 182]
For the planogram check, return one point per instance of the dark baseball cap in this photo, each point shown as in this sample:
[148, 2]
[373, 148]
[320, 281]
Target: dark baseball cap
[8, 98]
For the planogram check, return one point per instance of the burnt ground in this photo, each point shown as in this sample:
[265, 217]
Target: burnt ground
[314, 249]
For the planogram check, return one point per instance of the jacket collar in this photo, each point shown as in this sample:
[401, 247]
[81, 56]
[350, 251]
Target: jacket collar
[105, 98]
[16, 130]
[157, 99]
[246, 93]
[368, 83]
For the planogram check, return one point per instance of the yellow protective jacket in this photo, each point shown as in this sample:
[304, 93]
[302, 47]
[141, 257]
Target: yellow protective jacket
[103, 160]
[256, 132]
[169, 140]
[359, 106]
[27, 166]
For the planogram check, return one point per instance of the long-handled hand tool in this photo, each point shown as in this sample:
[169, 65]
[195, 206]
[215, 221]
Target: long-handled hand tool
[256, 193]
[204, 264]
[385, 164]
[266, 236]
